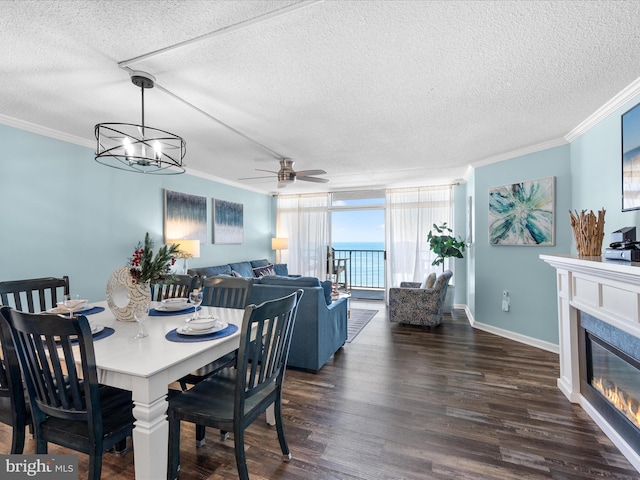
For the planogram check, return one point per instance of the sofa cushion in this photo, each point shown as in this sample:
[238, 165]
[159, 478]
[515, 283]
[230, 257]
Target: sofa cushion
[259, 263]
[291, 281]
[243, 268]
[429, 281]
[327, 286]
[213, 271]
[262, 271]
[281, 269]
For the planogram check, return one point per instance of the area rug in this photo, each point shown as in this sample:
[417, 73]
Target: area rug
[358, 319]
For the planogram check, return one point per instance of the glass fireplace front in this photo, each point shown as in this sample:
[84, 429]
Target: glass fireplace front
[610, 376]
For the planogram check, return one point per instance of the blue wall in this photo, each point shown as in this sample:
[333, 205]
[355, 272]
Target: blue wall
[519, 270]
[588, 177]
[64, 214]
[596, 169]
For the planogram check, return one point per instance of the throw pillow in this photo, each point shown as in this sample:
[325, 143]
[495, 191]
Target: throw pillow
[327, 286]
[281, 269]
[262, 271]
[429, 281]
[235, 274]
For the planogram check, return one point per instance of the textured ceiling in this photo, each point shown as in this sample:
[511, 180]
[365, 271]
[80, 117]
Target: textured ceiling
[377, 93]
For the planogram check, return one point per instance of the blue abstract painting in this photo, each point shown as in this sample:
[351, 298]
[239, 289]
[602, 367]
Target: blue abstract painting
[227, 222]
[185, 216]
[522, 213]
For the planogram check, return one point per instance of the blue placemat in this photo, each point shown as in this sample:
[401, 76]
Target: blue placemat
[162, 313]
[104, 333]
[107, 331]
[174, 336]
[90, 311]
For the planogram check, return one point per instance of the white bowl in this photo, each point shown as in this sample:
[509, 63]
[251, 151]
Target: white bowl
[201, 323]
[77, 305]
[174, 304]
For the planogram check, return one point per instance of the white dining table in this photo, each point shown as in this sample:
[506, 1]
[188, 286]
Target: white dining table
[147, 366]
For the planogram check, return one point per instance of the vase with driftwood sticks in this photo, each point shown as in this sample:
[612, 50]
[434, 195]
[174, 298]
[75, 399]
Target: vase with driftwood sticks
[588, 230]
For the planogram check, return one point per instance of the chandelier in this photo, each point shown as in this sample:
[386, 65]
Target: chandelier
[139, 148]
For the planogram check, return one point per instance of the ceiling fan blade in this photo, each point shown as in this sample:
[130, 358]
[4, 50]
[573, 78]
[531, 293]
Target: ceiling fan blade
[306, 173]
[268, 171]
[254, 178]
[312, 179]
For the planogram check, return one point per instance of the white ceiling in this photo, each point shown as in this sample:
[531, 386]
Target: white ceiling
[377, 93]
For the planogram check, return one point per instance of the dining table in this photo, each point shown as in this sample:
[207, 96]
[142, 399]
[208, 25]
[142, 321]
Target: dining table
[147, 366]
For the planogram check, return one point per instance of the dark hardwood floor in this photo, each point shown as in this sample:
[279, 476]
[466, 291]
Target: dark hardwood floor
[406, 403]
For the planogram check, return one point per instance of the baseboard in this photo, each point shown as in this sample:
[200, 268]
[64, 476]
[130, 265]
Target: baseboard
[534, 342]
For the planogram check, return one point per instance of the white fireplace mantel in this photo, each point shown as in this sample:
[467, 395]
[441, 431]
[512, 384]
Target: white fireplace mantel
[610, 291]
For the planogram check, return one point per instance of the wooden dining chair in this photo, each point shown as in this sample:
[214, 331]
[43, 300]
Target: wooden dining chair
[180, 287]
[13, 408]
[227, 292]
[34, 294]
[68, 405]
[235, 397]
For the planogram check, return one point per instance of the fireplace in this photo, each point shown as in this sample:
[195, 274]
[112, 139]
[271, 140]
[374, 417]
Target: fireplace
[610, 375]
[599, 343]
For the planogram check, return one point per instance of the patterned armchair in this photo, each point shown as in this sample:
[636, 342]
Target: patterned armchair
[417, 305]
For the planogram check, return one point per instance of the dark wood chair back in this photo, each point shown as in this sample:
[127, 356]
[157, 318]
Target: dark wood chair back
[68, 406]
[227, 292]
[34, 294]
[232, 399]
[13, 408]
[180, 287]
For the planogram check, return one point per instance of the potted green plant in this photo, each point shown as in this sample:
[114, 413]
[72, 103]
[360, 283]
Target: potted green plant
[445, 245]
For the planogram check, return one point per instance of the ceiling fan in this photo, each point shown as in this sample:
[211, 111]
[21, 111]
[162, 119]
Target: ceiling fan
[287, 175]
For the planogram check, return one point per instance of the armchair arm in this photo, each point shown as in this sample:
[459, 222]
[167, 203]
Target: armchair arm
[410, 284]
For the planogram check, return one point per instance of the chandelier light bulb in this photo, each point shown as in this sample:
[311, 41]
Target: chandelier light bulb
[157, 150]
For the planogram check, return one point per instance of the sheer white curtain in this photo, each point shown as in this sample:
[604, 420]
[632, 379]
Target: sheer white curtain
[411, 213]
[303, 220]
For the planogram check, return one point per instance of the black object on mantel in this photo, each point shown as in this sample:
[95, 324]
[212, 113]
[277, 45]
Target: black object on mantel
[624, 245]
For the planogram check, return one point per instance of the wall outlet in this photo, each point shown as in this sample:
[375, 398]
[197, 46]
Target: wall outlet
[506, 302]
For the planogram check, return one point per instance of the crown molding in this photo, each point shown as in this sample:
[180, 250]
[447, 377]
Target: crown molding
[604, 111]
[558, 142]
[47, 132]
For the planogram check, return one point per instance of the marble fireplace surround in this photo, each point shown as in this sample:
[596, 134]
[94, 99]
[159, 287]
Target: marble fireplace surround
[610, 291]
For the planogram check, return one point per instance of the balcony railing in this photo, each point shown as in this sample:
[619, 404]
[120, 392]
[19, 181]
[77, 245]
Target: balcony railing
[364, 268]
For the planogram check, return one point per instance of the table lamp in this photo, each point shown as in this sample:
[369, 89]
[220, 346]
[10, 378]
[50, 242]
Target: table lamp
[187, 249]
[278, 244]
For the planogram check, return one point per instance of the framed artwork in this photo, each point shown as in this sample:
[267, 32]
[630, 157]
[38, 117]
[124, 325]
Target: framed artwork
[630, 131]
[522, 213]
[185, 216]
[227, 222]
[469, 219]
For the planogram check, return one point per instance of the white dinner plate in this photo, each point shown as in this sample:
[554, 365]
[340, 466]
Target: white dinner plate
[186, 330]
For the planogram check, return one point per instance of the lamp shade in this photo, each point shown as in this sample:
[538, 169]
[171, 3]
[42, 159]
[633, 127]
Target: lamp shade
[188, 248]
[279, 243]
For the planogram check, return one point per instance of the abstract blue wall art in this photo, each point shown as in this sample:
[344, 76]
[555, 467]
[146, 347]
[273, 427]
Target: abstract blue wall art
[630, 129]
[185, 217]
[227, 222]
[522, 213]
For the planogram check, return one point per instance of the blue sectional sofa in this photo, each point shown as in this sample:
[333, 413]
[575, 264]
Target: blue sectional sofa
[321, 324]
